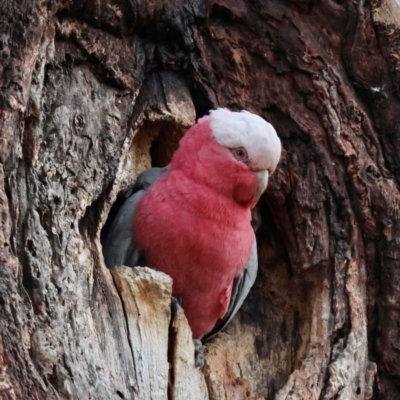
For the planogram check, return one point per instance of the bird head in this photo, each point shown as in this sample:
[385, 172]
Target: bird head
[232, 152]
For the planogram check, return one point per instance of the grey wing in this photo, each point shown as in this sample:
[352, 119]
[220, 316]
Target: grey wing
[241, 288]
[148, 177]
[118, 248]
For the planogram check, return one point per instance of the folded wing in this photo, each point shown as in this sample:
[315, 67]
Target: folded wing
[118, 248]
[241, 287]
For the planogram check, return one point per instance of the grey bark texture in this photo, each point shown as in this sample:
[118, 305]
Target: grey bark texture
[94, 92]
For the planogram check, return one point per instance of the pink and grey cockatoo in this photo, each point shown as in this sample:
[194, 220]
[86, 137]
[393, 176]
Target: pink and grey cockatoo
[192, 219]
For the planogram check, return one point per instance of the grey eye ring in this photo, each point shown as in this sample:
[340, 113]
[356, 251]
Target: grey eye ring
[240, 154]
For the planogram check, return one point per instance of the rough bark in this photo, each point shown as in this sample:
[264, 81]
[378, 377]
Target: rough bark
[94, 92]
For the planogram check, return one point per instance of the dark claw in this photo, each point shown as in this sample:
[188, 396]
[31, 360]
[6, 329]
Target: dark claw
[175, 303]
[198, 353]
[198, 346]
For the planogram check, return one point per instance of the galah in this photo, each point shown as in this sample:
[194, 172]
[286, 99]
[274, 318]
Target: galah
[192, 219]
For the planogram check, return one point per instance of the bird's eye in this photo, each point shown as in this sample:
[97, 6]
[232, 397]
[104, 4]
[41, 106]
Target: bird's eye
[240, 154]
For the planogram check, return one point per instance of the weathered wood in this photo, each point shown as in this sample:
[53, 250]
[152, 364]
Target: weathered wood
[186, 381]
[145, 294]
[92, 93]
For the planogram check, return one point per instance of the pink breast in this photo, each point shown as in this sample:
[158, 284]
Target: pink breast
[202, 255]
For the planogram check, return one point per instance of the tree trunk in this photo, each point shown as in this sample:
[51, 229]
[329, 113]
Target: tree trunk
[93, 92]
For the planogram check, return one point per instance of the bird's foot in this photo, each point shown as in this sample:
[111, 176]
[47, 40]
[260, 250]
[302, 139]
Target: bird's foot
[175, 303]
[198, 346]
[198, 353]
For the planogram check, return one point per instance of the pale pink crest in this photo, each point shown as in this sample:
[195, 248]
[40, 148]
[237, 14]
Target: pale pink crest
[244, 129]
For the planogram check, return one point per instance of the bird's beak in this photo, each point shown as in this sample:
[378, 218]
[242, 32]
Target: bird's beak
[262, 183]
